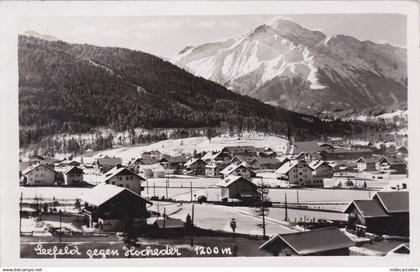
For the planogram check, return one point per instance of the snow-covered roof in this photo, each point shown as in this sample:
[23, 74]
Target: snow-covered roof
[103, 192]
[232, 168]
[30, 168]
[229, 180]
[315, 164]
[286, 167]
[118, 170]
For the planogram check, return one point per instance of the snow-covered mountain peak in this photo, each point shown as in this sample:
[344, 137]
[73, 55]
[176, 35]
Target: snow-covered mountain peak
[302, 69]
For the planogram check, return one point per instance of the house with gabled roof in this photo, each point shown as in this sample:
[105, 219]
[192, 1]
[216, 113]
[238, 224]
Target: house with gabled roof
[106, 163]
[195, 166]
[386, 213]
[73, 176]
[124, 177]
[238, 170]
[395, 165]
[238, 188]
[320, 170]
[39, 175]
[295, 174]
[318, 242]
[366, 164]
[108, 206]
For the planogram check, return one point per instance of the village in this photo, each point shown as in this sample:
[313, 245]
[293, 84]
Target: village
[335, 197]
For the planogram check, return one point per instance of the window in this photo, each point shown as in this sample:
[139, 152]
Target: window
[120, 178]
[127, 186]
[127, 177]
[113, 183]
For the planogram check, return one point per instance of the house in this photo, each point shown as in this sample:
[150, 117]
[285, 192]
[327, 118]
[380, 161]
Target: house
[107, 163]
[265, 163]
[166, 225]
[395, 165]
[216, 156]
[73, 176]
[245, 150]
[151, 171]
[145, 159]
[214, 168]
[320, 170]
[109, 206]
[338, 154]
[195, 166]
[123, 177]
[238, 170]
[401, 151]
[295, 174]
[310, 147]
[39, 174]
[173, 163]
[238, 188]
[385, 213]
[266, 152]
[319, 242]
[360, 144]
[366, 164]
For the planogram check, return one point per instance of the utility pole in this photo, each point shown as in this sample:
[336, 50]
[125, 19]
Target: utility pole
[20, 213]
[297, 195]
[192, 225]
[164, 218]
[147, 187]
[285, 206]
[191, 192]
[263, 209]
[59, 215]
[167, 185]
[154, 189]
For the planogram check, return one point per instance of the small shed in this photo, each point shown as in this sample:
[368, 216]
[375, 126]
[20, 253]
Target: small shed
[238, 188]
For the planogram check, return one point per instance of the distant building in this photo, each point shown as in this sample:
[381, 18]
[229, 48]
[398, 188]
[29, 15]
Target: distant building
[338, 154]
[195, 166]
[295, 174]
[320, 170]
[123, 177]
[245, 150]
[318, 242]
[151, 171]
[385, 213]
[107, 163]
[265, 163]
[366, 164]
[214, 168]
[73, 176]
[144, 160]
[39, 174]
[238, 188]
[173, 163]
[238, 170]
[309, 147]
[216, 156]
[396, 165]
[109, 206]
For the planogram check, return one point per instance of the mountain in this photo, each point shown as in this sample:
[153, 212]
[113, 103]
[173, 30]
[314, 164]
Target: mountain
[287, 65]
[74, 88]
[31, 33]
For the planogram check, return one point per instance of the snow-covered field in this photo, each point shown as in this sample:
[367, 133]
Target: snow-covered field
[218, 218]
[188, 145]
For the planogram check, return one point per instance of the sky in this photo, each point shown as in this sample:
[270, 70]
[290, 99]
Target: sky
[165, 36]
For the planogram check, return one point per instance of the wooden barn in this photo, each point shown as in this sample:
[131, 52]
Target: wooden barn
[385, 213]
[238, 188]
[108, 206]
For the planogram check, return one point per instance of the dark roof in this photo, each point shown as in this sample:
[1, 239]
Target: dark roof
[176, 159]
[366, 160]
[109, 161]
[392, 161]
[314, 241]
[393, 202]
[385, 246]
[169, 223]
[368, 208]
[73, 169]
[298, 147]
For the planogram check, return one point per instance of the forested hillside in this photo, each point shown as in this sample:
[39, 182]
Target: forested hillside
[74, 88]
